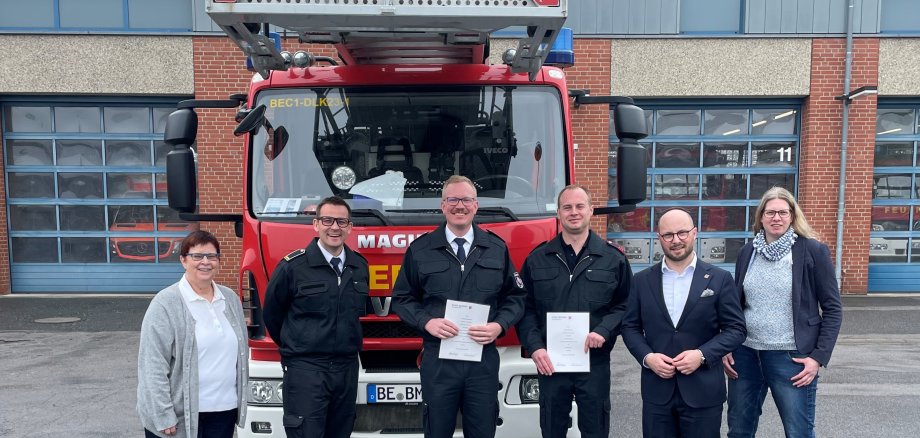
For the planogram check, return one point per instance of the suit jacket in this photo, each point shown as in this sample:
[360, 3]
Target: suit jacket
[714, 324]
[813, 285]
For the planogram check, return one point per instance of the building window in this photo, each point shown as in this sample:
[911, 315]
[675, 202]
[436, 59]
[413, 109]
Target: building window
[710, 16]
[86, 184]
[715, 161]
[97, 15]
[900, 16]
[895, 236]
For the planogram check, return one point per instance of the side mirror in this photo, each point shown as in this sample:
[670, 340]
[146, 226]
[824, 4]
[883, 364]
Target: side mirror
[630, 126]
[279, 140]
[181, 181]
[252, 122]
[181, 127]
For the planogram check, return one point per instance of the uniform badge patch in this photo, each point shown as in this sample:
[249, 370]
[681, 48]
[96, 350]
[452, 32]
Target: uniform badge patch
[517, 281]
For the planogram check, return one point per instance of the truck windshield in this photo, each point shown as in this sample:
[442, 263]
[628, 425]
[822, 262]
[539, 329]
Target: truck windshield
[387, 151]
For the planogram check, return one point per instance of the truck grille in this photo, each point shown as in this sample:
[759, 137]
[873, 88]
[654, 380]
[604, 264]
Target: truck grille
[388, 329]
[392, 419]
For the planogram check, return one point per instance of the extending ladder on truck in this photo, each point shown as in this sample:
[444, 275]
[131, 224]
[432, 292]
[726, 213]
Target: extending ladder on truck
[393, 31]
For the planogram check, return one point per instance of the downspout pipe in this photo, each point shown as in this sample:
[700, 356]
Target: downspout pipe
[845, 128]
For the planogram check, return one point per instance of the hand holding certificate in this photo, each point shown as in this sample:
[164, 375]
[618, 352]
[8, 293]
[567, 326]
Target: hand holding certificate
[462, 346]
[565, 341]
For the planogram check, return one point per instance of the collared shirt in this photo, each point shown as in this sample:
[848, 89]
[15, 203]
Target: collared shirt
[676, 288]
[466, 245]
[328, 255]
[218, 349]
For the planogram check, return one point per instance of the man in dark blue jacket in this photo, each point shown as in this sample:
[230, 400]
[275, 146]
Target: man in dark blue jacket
[311, 310]
[458, 261]
[683, 316]
[577, 271]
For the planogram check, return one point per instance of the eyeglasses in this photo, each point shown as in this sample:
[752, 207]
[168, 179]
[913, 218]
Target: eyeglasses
[329, 220]
[682, 235]
[199, 256]
[455, 201]
[772, 213]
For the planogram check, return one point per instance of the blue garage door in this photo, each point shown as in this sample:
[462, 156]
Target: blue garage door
[894, 246]
[86, 196]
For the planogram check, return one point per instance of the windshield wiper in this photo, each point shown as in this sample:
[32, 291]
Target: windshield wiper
[498, 211]
[370, 212]
[488, 211]
[357, 212]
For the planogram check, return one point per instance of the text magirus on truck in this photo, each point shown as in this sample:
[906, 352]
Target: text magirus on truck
[411, 101]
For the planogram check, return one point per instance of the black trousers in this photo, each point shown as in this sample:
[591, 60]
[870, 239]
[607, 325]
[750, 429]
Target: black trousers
[211, 425]
[591, 392]
[319, 402]
[677, 419]
[451, 386]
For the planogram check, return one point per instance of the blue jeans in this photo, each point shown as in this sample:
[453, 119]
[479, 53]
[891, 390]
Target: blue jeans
[759, 370]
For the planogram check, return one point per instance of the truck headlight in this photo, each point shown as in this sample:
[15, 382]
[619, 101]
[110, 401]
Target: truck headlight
[530, 389]
[265, 392]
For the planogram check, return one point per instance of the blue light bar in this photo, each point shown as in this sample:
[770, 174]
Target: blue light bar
[562, 55]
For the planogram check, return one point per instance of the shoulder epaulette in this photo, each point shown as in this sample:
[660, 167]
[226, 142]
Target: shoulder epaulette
[618, 247]
[294, 254]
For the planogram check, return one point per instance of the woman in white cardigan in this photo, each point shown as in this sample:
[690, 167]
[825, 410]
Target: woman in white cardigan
[191, 365]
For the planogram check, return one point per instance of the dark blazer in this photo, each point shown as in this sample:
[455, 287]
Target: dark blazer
[713, 324]
[814, 285]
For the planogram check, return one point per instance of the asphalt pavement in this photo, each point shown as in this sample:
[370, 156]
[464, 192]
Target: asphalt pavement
[78, 378]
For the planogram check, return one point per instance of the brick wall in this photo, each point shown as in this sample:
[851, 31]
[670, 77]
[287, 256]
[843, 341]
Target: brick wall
[819, 174]
[591, 123]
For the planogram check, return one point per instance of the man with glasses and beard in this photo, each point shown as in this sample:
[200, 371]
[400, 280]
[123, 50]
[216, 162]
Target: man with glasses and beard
[311, 310]
[458, 261]
[683, 316]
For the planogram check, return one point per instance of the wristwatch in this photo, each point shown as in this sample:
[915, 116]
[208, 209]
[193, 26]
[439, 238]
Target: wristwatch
[702, 357]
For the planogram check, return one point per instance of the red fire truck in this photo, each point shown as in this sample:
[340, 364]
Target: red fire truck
[411, 101]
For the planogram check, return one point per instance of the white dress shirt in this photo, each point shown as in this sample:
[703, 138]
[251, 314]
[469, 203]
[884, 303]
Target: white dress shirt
[328, 255]
[466, 245]
[676, 288]
[217, 347]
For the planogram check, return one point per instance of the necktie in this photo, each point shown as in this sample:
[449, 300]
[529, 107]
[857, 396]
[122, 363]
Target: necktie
[335, 265]
[461, 253]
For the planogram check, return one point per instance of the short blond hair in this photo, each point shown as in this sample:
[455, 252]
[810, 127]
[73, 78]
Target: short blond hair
[455, 179]
[799, 223]
[572, 187]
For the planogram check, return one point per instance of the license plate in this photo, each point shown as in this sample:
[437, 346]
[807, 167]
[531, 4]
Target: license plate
[394, 393]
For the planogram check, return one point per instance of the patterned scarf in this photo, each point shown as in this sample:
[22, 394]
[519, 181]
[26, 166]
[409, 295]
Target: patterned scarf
[776, 250]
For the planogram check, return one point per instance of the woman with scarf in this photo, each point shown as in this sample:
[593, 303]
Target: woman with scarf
[792, 307]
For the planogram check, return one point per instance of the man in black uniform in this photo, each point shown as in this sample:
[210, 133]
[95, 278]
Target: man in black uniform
[458, 261]
[577, 271]
[311, 310]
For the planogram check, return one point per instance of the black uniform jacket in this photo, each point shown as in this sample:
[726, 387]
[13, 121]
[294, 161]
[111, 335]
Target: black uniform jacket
[431, 274]
[712, 322]
[599, 284]
[308, 313]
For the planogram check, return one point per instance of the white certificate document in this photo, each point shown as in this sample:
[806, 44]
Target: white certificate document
[566, 333]
[464, 315]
